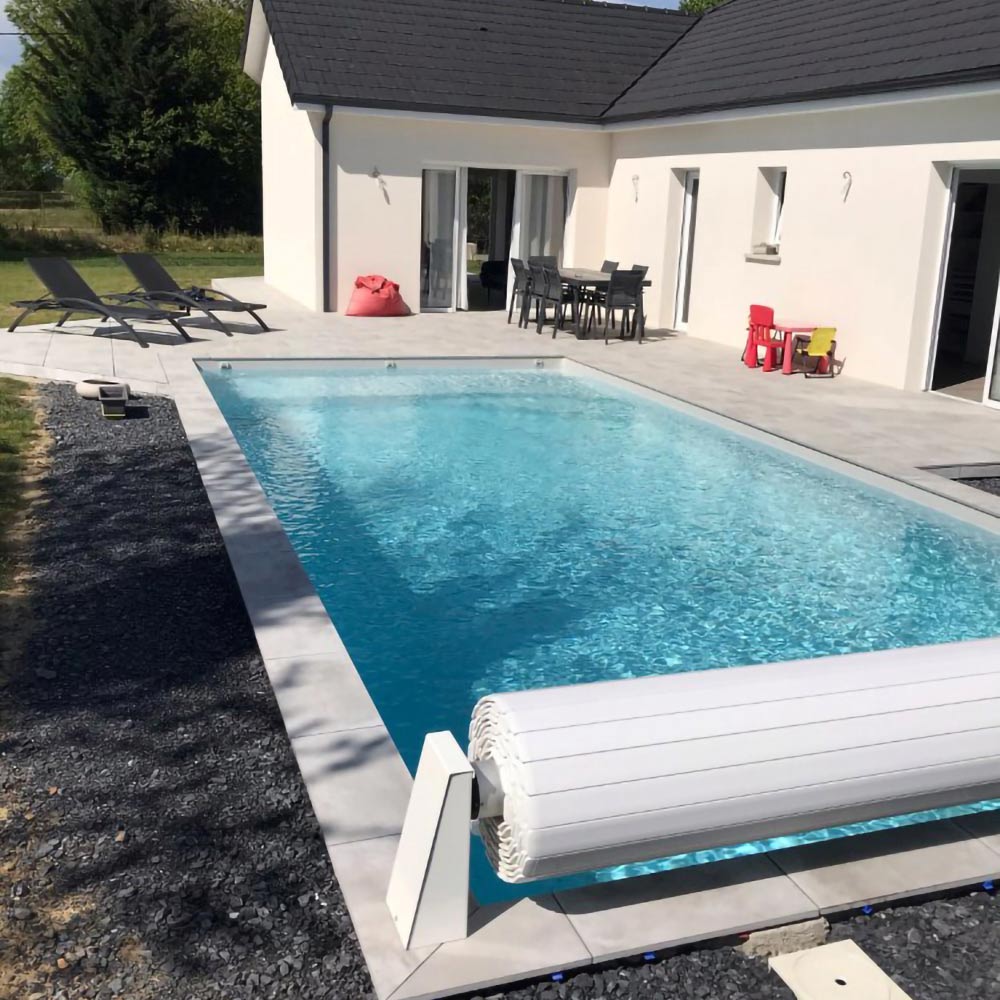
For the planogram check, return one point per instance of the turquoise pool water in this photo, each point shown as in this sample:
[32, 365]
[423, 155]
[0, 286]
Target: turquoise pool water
[472, 531]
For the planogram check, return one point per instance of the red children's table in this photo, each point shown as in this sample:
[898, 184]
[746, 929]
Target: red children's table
[790, 330]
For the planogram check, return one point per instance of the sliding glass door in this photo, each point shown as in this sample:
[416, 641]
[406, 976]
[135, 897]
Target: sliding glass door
[439, 239]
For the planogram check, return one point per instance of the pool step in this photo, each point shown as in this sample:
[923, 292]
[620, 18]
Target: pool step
[839, 971]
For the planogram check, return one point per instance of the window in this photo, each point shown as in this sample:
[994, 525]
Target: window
[769, 212]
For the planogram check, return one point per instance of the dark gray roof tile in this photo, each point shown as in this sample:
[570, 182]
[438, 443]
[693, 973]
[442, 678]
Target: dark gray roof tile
[553, 59]
[579, 60]
[759, 52]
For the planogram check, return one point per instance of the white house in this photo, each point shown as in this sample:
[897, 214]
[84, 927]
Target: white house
[839, 161]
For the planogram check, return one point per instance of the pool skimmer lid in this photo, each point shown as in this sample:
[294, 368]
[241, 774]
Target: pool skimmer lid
[839, 971]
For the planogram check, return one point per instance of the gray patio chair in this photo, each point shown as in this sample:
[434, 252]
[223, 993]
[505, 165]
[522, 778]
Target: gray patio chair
[71, 294]
[521, 294]
[536, 291]
[595, 296]
[625, 293]
[156, 286]
[554, 295]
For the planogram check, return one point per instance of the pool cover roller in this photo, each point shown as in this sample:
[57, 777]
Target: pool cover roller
[621, 772]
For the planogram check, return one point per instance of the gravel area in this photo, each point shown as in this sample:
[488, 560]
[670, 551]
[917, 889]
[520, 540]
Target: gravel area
[155, 836]
[156, 839]
[986, 485]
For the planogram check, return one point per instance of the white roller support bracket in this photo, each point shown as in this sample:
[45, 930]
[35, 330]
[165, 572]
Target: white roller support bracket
[576, 778]
[428, 894]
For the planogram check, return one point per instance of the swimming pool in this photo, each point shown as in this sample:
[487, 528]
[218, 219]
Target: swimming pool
[473, 530]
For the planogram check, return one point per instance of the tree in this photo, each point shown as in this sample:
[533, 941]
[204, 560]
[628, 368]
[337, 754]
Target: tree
[27, 160]
[146, 100]
[698, 6]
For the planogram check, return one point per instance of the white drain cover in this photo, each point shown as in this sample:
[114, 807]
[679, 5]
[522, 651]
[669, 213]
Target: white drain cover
[840, 971]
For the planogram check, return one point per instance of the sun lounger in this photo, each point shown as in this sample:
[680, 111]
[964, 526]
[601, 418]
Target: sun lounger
[71, 294]
[157, 287]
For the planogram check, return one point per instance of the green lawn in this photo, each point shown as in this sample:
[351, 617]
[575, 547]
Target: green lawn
[104, 273]
[17, 433]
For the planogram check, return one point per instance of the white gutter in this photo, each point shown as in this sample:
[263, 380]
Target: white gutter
[458, 119]
[954, 92]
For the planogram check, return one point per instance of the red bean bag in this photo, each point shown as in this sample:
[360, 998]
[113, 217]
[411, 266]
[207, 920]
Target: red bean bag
[374, 295]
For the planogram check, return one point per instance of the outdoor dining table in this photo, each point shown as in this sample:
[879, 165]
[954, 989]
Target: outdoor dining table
[580, 278]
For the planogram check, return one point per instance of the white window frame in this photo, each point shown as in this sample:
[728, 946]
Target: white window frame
[779, 185]
[685, 262]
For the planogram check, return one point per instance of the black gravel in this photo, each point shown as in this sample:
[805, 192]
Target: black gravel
[159, 840]
[155, 836]
[986, 485]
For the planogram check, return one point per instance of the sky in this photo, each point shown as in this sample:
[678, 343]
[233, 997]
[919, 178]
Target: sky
[10, 46]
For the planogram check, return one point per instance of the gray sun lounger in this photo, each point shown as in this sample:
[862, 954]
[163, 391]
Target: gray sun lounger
[71, 294]
[156, 286]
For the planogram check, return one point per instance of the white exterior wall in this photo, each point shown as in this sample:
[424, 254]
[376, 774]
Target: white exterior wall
[377, 220]
[292, 172]
[869, 265]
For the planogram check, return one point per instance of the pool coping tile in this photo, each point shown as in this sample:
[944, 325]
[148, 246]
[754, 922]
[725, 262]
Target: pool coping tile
[984, 826]
[888, 865]
[675, 908]
[507, 942]
[362, 869]
[321, 693]
[359, 785]
[357, 782]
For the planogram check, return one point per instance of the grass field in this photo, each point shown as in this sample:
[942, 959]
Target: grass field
[191, 260]
[17, 433]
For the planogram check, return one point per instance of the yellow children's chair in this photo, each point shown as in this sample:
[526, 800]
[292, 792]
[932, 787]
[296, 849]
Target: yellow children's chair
[822, 346]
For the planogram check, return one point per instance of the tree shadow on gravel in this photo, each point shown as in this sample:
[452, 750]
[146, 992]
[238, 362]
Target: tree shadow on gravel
[156, 834]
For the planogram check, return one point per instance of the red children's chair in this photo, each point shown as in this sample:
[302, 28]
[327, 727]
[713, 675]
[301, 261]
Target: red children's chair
[760, 333]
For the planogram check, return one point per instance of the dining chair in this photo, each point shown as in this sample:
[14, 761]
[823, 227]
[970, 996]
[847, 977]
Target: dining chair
[624, 292]
[543, 261]
[643, 269]
[521, 293]
[555, 296]
[536, 290]
[595, 296]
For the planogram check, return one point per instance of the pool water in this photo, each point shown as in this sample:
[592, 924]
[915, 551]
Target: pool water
[480, 530]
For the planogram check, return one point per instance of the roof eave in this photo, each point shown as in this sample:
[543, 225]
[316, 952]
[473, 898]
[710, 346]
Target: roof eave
[917, 88]
[418, 110]
[253, 51]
